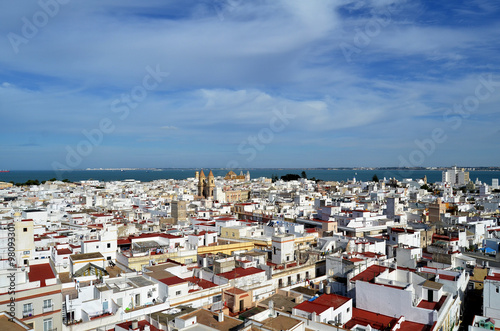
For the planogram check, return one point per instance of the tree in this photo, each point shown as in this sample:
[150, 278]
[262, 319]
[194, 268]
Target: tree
[303, 175]
[375, 178]
[289, 177]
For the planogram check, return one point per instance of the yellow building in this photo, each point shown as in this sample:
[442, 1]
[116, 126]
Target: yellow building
[4, 185]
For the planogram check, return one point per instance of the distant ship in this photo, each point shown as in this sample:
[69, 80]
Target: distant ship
[4, 170]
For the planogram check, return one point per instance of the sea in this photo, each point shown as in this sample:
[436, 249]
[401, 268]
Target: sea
[21, 176]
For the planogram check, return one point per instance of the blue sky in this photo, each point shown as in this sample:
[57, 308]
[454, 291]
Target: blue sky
[230, 83]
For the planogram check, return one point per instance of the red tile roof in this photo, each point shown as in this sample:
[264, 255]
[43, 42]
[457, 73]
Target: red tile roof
[123, 241]
[447, 277]
[40, 272]
[311, 307]
[369, 274]
[204, 284]
[235, 290]
[365, 317]
[173, 280]
[240, 272]
[432, 305]
[412, 326]
[402, 230]
[436, 236]
[371, 254]
[64, 251]
[332, 300]
[495, 277]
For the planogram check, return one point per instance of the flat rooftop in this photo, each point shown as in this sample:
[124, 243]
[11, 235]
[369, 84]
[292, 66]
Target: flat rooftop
[86, 256]
[159, 271]
[281, 322]
[170, 314]
[210, 319]
[281, 302]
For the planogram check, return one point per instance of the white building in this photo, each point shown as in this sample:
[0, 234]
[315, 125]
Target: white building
[396, 292]
[491, 296]
[455, 176]
[283, 248]
[325, 308]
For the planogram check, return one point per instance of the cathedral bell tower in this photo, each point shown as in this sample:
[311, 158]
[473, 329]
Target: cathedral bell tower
[201, 184]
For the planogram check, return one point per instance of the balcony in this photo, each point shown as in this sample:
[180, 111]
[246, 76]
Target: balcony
[28, 313]
[47, 309]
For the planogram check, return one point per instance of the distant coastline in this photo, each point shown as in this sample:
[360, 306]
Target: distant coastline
[328, 174]
[468, 168]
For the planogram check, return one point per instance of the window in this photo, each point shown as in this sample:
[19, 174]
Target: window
[27, 309]
[47, 305]
[25, 229]
[178, 293]
[109, 245]
[47, 324]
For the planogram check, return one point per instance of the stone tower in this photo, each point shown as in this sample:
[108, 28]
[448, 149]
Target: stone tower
[206, 185]
[201, 183]
[210, 186]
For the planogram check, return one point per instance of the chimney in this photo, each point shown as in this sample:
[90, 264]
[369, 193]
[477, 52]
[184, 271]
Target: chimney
[221, 317]
[135, 325]
[328, 289]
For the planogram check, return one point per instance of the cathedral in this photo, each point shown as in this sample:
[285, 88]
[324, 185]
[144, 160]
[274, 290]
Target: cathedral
[241, 178]
[206, 185]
